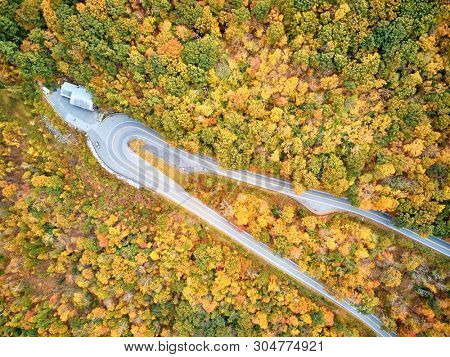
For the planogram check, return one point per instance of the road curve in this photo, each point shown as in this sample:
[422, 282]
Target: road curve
[113, 151]
[122, 126]
[109, 141]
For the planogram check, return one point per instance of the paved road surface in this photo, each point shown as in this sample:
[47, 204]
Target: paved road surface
[114, 152]
[109, 141]
[121, 129]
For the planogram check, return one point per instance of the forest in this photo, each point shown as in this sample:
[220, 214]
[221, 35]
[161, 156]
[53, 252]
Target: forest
[346, 96]
[83, 254]
[350, 97]
[379, 272]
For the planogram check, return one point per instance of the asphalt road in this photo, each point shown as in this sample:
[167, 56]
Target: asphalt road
[120, 129]
[109, 141]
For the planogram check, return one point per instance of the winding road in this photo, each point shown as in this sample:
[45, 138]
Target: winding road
[120, 129]
[114, 152]
[109, 141]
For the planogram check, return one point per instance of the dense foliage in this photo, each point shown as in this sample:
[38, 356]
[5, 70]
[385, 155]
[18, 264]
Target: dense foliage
[346, 96]
[403, 284]
[82, 254]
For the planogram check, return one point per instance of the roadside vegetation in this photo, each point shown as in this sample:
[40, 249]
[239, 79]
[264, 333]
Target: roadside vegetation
[402, 282]
[382, 273]
[346, 96]
[83, 254]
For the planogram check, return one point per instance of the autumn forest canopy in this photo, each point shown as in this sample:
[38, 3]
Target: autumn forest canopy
[349, 97]
[346, 96]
